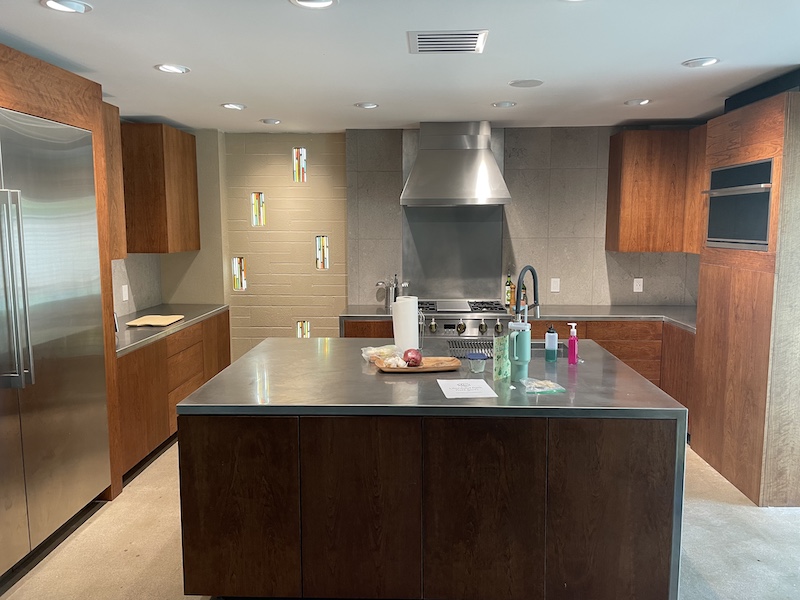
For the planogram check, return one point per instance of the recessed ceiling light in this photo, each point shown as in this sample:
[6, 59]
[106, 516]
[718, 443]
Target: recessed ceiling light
[366, 105]
[637, 102]
[504, 104]
[177, 69]
[67, 6]
[234, 106]
[525, 83]
[270, 121]
[313, 3]
[705, 61]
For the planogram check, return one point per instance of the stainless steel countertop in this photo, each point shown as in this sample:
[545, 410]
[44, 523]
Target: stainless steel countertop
[131, 338]
[327, 376]
[681, 316]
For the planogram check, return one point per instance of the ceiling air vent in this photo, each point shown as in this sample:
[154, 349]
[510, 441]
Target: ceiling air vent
[469, 41]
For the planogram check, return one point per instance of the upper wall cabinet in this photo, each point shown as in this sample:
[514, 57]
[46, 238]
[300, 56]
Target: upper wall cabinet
[160, 174]
[646, 191]
[695, 219]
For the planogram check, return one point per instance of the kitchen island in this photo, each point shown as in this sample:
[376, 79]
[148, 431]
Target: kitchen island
[305, 472]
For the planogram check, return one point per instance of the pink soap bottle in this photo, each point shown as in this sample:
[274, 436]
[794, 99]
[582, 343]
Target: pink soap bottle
[572, 345]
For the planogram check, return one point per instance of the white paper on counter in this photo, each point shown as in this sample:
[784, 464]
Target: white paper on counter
[466, 388]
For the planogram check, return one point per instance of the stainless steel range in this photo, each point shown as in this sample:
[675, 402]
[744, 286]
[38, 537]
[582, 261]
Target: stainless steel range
[467, 325]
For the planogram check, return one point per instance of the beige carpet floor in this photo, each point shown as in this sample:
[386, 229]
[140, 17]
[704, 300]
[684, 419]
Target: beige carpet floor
[130, 549]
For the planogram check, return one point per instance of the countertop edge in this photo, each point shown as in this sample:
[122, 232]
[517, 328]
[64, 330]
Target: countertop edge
[169, 329]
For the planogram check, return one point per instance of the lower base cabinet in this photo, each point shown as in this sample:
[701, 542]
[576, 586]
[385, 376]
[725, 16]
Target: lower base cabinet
[429, 507]
[154, 378]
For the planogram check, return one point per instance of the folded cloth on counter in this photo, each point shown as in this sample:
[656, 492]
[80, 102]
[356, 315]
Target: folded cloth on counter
[154, 321]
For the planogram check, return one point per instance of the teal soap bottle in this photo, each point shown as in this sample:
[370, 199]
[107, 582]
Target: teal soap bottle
[550, 345]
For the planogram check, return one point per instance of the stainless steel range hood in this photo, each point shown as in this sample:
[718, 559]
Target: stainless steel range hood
[455, 167]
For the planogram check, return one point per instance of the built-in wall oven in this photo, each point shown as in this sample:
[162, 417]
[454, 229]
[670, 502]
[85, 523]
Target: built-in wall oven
[739, 206]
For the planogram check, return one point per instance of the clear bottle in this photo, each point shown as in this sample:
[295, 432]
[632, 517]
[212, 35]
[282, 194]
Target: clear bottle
[572, 345]
[550, 345]
[508, 290]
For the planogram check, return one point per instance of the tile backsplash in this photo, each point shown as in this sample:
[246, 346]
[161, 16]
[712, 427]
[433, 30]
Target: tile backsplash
[556, 220]
[142, 274]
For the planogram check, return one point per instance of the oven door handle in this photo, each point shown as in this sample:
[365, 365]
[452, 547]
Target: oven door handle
[738, 190]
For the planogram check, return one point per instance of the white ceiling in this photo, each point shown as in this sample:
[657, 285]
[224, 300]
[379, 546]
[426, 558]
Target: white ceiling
[308, 67]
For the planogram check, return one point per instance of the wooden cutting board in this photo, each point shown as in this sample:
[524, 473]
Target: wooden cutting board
[154, 321]
[430, 364]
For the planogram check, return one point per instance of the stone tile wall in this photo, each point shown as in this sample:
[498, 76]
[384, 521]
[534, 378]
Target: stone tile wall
[556, 221]
[142, 274]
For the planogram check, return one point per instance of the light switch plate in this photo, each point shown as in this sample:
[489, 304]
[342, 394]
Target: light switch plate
[124, 293]
[638, 284]
[555, 284]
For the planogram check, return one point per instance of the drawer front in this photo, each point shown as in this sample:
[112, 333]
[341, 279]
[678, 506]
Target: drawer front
[184, 338]
[623, 330]
[633, 349]
[178, 394]
[368, 329]
[184, 365]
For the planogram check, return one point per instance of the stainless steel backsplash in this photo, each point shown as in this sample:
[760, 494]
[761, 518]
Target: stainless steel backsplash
[453, 252]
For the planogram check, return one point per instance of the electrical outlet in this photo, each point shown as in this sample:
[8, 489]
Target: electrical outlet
[638, 284]
[555, 284]
[124, 293]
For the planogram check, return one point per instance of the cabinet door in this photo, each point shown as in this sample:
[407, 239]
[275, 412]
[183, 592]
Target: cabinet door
[368, 329]
[636, 343]
[484, 508]
[142, 384]
[240, 506]
[184, 368]
[695, 219]
[361, 490]
[216, 344]
[116, 193]
[677, 365]
[646, 191]
[610, 508]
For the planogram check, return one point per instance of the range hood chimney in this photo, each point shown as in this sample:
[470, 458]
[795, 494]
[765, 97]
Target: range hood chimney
[455, 167]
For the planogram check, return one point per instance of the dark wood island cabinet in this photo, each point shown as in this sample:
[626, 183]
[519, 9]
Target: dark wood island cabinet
[343, 482]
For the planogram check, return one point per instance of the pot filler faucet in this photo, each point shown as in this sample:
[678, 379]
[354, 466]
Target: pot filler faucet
[535, 291]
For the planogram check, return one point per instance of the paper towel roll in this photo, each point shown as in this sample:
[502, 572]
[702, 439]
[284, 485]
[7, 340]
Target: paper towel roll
[405, 319]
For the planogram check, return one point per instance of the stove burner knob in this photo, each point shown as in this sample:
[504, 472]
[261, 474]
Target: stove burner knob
[461, 328]
[482, 327]
[498, 327]
[433, 325]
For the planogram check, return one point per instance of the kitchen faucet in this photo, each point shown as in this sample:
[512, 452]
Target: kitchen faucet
[535, 292]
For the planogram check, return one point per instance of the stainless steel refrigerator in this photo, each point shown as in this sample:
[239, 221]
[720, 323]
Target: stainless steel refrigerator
[53, 421]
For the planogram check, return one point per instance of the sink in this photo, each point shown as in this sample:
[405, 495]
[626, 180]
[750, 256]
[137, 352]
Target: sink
[537, 350]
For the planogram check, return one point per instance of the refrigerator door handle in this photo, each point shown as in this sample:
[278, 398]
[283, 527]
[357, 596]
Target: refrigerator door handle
[29, 376]
[15, 378]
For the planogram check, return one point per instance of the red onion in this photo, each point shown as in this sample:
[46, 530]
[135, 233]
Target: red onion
[413, 357]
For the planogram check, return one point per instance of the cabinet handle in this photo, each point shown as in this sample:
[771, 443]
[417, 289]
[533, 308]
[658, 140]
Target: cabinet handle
[738, 190]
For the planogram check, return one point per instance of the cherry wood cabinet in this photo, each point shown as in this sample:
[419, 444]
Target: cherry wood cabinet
[646, 190]
[695, 218]
[636, 343]
[365, 328]
[154, 378]
[677, 365]
[160, 175]
[116, 193]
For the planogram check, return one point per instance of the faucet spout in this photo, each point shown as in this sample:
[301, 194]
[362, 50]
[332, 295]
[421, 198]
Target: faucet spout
[525, 269]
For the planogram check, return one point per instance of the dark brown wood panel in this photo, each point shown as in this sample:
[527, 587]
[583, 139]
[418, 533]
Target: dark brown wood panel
[539, 328]
[144, 419]
[649, 369]
[610, 487]
[361, 509]
[695, 221]
[677, 366]
[711, 362]
[623, 330]
[625, 350]
[116, 193]
[368, 329]
[747, 376]
[748, 133]
[184, 365]
[183, 216]
[240, 505]
[216, 344]
[484, 508]
[181, 340]
[646, 193]
[750, 260]
[178, 394]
